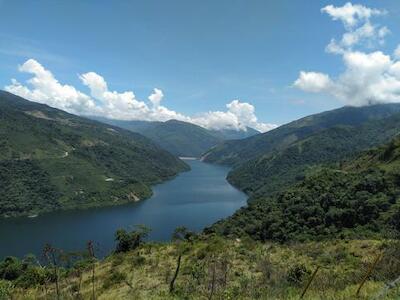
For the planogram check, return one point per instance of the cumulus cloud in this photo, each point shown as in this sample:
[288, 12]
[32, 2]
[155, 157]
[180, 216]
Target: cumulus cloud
[156, 97]
[396, 52]
[313, 81]
[359, 30]
[46, 89]
[239, 116]
[351, 14]
[43, 87]
[369, 77]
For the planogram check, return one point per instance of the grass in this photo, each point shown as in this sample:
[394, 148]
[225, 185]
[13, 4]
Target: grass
[242, 269]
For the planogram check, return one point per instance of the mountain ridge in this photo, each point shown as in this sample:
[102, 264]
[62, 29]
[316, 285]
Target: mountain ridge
[51, 160]
[235, 152]
[178, 137]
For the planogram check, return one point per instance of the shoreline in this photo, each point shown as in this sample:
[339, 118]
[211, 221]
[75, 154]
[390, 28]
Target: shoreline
[187, 158]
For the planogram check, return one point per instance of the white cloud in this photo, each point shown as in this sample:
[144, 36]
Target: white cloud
[351, 15]
[156, 97]
[113, 104]
[46, 89]
[396, 53]
[368, 78]
[43, 87]
[358, 26]
[313, 82]
[239, 116]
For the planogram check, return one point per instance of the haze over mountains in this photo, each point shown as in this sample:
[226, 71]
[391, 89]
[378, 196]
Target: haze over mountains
[181, 138]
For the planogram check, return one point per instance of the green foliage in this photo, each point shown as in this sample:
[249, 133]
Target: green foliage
[271, 162]
[181, 138]
[183, 234]
[229, 269]
[11, 268]
[6, 289]
[113, 279]
[297, 273]
[234, 153]
[177, 137]
[127, 241]
[50, 160]
[276, 171]
[360, 199]
[24, 273]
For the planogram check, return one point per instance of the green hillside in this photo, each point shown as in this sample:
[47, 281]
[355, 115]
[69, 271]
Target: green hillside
[236, 152]
[269, 163]
[180, 138]
[277, 170]
[231, 134]
[50, 160]
[357, 198]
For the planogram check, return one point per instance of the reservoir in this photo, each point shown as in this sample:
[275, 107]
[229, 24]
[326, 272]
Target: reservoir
[195, 199]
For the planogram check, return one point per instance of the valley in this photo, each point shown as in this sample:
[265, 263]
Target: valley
[328, 180]
[205, 150]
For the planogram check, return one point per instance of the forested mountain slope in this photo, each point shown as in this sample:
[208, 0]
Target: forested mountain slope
[357, 198]
[50, 160]
[181, 138]
[275, 171]
[234, 153]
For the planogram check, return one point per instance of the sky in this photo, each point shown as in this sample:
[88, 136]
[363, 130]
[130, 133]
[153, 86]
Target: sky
[218, 64]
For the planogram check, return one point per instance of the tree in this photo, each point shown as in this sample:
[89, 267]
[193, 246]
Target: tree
[127, 241]
[180, 236]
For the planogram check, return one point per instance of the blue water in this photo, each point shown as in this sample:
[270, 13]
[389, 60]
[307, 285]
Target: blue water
[194, 199]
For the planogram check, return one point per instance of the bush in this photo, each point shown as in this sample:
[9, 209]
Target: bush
[297, 273]
[113, 279]
[6, 288]
[127, 241]
[11, 268]
[138, 260]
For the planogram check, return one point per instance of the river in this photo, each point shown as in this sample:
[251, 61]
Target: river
[194, 199]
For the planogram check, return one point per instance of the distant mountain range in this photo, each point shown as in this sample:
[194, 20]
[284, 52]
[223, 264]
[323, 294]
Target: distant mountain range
[270, 162]
[51, 160]
[180, 138]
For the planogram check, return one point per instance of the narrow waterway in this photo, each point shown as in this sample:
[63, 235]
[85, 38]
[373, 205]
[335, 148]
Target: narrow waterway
[194, 199]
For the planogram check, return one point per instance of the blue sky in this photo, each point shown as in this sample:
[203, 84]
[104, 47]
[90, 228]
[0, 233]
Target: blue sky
[201, 54]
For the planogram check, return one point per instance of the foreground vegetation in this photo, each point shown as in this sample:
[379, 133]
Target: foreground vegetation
[51, 160]
[211, 267]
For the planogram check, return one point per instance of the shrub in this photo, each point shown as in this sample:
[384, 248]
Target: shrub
[6, 288]
[297, 273]
[113, 279]
[127, 241]
[138, 260]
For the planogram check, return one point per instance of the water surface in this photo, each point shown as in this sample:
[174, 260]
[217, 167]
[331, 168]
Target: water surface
[194, 199]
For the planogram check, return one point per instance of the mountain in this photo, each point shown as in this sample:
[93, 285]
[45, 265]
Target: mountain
[270, 162]
[236, 152]
[273, 172]
[231, 134]
[357, 198]
[178, 137]
[51, 160]
[181, 138]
